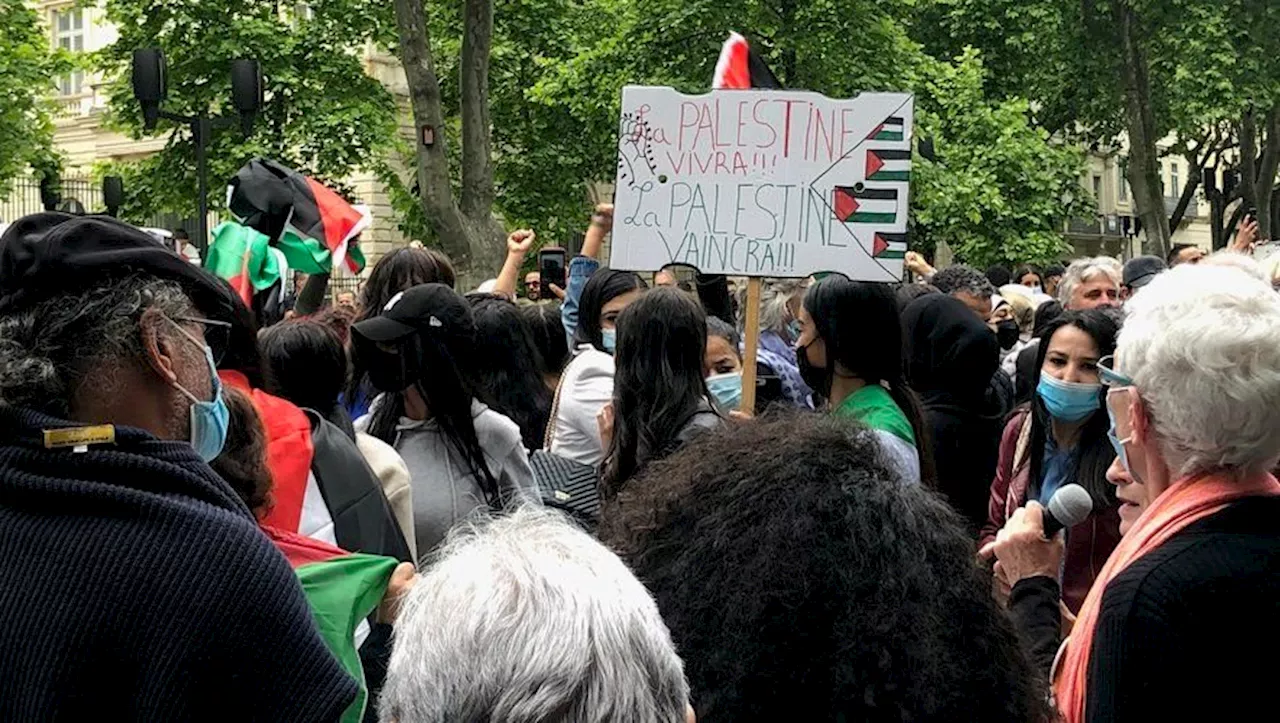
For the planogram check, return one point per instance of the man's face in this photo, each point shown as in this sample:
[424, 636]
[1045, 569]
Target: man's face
[347, 299]
[533, 285]
[1094, 294]
[664, 278]
[977, 304]
[1188, 256]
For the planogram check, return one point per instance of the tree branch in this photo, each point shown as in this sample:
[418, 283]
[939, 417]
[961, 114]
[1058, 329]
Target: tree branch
[1194, 176]
[477, 163]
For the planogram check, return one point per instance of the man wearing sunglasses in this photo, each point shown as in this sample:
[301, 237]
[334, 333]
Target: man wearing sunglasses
[133, 581]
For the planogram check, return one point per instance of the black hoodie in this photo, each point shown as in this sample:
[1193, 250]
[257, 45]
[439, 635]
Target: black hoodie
[951, 359]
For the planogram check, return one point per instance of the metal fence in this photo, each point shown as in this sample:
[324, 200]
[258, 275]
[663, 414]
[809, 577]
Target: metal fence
[78, 195]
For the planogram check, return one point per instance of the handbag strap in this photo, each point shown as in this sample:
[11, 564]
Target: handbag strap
[549, 436]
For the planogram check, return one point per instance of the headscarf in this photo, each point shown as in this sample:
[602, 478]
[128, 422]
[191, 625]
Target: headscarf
[951, 355]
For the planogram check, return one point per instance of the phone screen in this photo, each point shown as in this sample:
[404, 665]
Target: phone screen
[551, 268]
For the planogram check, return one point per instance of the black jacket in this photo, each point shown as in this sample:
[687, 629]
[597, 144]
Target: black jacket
[952, 363]
[135, 585]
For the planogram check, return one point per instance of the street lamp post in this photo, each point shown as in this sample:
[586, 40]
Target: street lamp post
[150, 87]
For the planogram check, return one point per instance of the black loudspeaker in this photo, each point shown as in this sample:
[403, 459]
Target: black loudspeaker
[149, 83]
[112, 193]
[50, 193]
[246, 91]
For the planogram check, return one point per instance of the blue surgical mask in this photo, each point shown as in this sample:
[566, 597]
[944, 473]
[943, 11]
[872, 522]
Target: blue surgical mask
[727, 389]
[793, 327]
[1069, 401]
[209, 419]
[609, 340]
[1118, 445]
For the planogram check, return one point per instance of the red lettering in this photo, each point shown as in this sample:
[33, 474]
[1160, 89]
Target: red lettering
[683, 125]
[773, 134]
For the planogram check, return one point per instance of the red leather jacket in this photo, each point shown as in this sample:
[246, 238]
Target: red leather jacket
[1088, 543]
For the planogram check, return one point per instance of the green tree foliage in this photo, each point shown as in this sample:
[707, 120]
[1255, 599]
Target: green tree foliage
[27, 70]
[996, 192]
[323, 115]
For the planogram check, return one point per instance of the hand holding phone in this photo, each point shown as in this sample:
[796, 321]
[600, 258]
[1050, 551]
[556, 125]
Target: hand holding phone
[551, 267]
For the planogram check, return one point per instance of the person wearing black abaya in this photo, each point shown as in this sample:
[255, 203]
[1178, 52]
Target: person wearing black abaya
[951, 357]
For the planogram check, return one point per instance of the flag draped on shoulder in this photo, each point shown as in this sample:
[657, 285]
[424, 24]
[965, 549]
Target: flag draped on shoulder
[343, 589]
[314, 226]
[740, 67]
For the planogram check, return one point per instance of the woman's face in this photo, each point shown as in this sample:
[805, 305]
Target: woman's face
[1004, 313]
[722, 357]
[1132, 495]
[1031, 281]
[1072, 356]
[609, 312]
[809, 341]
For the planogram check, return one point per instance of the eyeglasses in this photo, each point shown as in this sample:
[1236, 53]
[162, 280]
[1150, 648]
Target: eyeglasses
[217, 334]
[1109, 376]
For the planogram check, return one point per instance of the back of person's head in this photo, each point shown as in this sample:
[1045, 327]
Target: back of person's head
[1046, 313]
[779, 301]
[1236, 260]
[402, 269]
[304, 362]
[508, 367]
[798, 574]
[604, 286]
[339, 320]
[907, 292]
[960, 278]
[528, 618]
[243, 461]
[1020, 302]
[1202, 346]
[548, 335]
[998, 275]
[658, 383]
[951, 355]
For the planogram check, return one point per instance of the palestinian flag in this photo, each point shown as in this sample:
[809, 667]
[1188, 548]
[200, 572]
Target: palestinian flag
[739, 67]
[314, 226]
[858, 204]
[241, 255]
[888, 165]
[890, 130]
[885, 245]
[343, 589]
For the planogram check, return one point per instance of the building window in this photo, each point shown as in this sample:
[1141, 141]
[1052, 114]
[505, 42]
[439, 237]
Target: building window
[1097, 189]
[1122, 180]
[1173, 179]
[68, 35]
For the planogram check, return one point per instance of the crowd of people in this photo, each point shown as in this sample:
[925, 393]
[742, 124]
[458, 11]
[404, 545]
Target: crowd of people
[557, 509]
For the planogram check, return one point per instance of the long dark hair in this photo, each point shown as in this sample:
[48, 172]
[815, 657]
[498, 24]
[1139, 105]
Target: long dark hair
[658, 385]
[862, 329]
[508, 366]
[603, 286]
[1096, 452]
[548, 334]
[1028, 269]
[398, 271]
[305, 363]
[444, 358]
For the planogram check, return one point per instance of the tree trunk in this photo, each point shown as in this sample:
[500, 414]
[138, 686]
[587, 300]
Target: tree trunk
[1144, 158]
[433, 161]
[486, 237]
[1268, 164]
[1194, 176]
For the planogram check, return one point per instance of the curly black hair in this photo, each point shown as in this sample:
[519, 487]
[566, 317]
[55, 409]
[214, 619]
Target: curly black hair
[801, 580]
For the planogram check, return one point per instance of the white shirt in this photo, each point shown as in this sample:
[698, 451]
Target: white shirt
[585, 387]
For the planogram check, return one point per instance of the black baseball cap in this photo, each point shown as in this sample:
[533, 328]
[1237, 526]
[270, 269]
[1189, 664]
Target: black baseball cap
[426, 308]
[43, 254]
[1140, 270]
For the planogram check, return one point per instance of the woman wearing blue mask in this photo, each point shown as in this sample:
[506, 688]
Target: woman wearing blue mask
[586, 385]
[1060, 438]
[660, 397]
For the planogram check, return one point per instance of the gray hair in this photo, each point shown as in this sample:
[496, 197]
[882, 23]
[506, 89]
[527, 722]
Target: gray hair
[963, 278]
[774, 298]
[528, 619]
[1202, 345]
[1082, 270]
[52, 349]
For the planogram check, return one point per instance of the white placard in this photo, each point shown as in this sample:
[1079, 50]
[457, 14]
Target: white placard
[763, 182]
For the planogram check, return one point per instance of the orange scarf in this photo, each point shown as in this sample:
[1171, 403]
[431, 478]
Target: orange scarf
[1185, 502]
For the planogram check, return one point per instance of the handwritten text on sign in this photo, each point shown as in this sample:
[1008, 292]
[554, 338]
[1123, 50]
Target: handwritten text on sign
[763, 183]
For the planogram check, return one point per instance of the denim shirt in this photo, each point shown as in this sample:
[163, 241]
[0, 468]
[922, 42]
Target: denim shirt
[580, 269]
[1058, 468]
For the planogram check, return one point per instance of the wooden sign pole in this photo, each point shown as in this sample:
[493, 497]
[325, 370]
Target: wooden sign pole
[751, 342]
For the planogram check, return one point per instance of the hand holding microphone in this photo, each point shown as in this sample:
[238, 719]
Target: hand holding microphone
[1029, 545]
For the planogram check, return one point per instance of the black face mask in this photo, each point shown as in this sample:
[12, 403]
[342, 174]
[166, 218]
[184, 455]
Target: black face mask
[1007, 333]
[389, 371]
[817, 378]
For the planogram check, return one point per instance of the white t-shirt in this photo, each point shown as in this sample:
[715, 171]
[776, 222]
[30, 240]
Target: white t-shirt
[585, 387]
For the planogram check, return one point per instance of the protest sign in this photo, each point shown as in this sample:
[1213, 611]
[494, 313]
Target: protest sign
[763, 182]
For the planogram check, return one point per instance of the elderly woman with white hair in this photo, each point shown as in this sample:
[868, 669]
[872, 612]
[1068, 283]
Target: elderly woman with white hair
[779, 330]
[526, 618]
[1183, 616]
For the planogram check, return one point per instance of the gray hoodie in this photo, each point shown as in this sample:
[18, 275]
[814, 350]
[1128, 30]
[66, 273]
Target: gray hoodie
[445, 490]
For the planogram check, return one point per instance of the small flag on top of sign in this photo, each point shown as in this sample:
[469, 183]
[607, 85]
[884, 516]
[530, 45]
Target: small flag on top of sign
[314, 226]
[741, 67]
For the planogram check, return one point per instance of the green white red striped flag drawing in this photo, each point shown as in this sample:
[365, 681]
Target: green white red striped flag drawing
[343, 589]
[241, 256]
[858, 204]
[888, 165]
[890, 130]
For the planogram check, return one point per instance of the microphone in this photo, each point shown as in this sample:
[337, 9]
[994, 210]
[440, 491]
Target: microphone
[1068, 507]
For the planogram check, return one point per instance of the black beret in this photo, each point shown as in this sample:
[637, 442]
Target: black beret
[43, 254]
